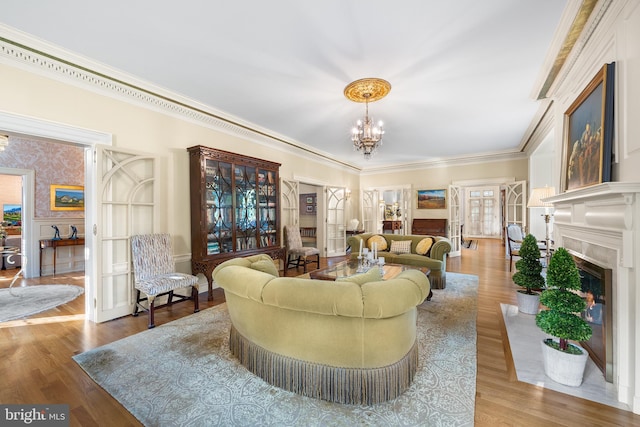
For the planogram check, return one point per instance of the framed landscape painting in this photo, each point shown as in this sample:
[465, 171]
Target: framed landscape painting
[67, 197]
[12, 214]
[432, 199]
[588, 127]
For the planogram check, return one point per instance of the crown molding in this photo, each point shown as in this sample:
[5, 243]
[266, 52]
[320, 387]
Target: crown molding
[23, 51]
[28, 53]
[479, 158]
[578, 23]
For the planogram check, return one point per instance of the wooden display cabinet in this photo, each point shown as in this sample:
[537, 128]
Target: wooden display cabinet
[235, 203]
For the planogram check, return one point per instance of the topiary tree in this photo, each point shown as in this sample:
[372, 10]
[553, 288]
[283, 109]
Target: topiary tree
[561, 320]
[528, 267]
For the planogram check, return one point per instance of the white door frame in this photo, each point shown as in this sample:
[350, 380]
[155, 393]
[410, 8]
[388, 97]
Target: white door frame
[29, 251]
[32, 127]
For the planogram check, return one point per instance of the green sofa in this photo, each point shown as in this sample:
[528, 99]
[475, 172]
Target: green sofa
[342, 341]
[435, 260]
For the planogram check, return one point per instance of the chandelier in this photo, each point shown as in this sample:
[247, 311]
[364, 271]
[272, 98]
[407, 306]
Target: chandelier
[365, 135]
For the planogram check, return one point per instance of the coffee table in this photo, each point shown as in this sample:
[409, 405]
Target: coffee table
[350, 267]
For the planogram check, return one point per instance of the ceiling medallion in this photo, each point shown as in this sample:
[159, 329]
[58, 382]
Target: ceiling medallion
[366, 136]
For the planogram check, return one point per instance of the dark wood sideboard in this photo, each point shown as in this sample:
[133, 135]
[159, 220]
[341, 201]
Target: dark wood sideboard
[430, 226]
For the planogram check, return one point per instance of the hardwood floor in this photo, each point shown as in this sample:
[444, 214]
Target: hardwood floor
[36, 364]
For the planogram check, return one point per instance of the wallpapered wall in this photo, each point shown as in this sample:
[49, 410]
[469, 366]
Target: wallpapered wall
[53, 163]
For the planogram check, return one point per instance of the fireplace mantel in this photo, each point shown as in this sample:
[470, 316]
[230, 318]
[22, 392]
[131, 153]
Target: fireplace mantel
[601, 224]
[605, 189]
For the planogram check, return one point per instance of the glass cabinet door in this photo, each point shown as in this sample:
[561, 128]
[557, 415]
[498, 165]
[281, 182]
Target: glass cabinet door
[219, 206]
[245, 209]
[267, 207]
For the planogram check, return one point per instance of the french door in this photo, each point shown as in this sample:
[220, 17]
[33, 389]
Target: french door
[124, 203]
[483, 212]
[336, 241]
[369, 206]
[455, 219]
[290, 192]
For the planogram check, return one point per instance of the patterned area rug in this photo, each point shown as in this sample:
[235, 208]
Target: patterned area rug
[24, 301]
[182, 373]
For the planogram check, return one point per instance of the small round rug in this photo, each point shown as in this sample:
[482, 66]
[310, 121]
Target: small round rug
[24, 301]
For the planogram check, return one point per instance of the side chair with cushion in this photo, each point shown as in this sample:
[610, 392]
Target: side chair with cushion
[514, 241]
[515, 236]
[296, 254]
[155, 274]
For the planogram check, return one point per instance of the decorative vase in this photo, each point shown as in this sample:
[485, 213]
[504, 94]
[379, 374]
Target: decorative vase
[564, 368]
[528, 303]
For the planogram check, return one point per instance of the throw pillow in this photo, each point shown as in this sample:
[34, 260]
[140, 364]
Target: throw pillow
[401, 247]
[372, 275]
[424, 246]
[381, 242]
[266, 266]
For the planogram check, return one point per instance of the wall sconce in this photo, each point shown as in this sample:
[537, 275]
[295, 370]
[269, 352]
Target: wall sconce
[4, 142]
[347, 194]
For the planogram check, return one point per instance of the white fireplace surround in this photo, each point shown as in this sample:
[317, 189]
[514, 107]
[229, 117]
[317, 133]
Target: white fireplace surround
[601, 224]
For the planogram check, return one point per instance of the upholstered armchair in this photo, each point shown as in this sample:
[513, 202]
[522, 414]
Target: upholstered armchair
[296, 253]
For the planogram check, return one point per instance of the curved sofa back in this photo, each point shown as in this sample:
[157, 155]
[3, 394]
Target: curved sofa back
[375, 300]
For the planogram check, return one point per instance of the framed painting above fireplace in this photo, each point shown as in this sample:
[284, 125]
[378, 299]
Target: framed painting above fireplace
[588, 128]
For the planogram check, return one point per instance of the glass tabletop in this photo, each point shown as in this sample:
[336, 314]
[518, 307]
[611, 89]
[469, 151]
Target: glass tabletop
[350, 268]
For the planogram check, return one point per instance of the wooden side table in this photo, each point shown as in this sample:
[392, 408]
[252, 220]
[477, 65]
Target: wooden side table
[392, 226]
[53, 243]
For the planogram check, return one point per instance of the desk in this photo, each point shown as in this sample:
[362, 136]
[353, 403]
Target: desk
[51, 243]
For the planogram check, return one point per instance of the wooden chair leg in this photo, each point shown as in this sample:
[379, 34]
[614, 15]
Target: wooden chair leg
[510, 262]
[170, 301]
[136, 307]
[152, 323]
[195, 296]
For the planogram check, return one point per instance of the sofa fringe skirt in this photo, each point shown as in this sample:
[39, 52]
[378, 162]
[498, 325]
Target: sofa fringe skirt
[355, 386]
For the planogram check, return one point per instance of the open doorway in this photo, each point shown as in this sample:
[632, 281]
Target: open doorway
[18, 126]
[11, 242]
[308, 211]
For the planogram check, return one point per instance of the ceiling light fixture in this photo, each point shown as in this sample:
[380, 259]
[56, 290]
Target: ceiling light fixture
[366, 136]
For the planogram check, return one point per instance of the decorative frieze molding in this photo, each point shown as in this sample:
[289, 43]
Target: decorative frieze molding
[100, 79]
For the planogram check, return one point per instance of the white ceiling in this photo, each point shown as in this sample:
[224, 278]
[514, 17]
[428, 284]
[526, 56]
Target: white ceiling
[462, 71]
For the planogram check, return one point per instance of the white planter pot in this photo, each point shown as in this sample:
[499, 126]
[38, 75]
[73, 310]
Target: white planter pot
[564, 368]
[528, 304]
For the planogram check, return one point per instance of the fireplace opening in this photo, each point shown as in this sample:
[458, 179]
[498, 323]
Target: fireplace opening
[596, 291]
